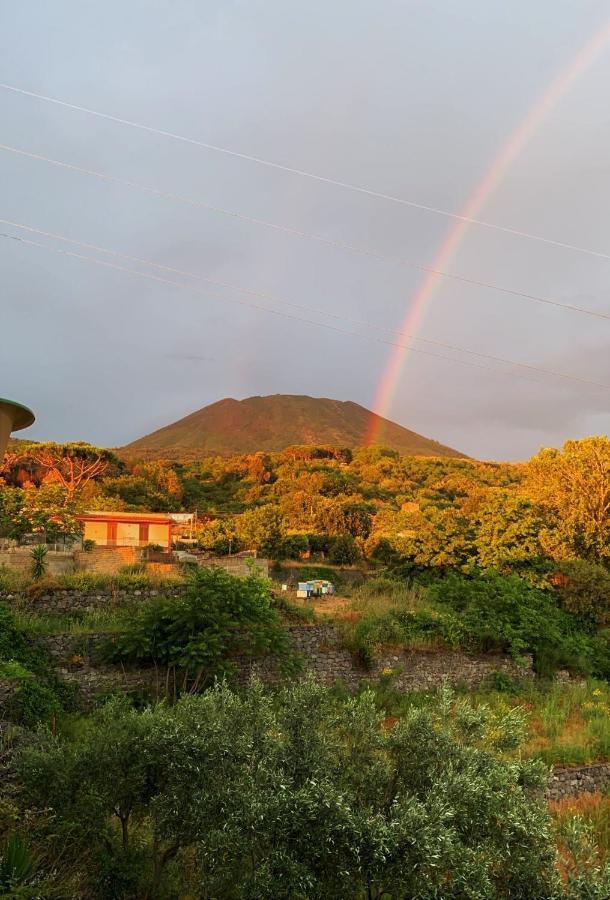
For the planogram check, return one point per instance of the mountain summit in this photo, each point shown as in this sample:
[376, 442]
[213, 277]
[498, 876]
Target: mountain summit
[272, 423]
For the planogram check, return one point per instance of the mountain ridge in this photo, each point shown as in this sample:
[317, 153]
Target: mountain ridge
[269, 423]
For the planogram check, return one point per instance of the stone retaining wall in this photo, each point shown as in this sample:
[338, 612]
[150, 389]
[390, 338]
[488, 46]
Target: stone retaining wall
[582, 780]
[322, 654]
[93, 681]
[19, 559]
[74, 600]
[107, 560]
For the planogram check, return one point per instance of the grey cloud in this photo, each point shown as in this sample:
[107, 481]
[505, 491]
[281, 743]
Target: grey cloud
[415, 103]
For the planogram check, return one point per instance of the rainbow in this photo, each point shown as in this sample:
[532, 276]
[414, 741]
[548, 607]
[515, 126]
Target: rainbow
[516, 142]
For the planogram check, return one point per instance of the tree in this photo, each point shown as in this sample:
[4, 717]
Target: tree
[345, 515]
[261, 529]
[510, 530]
[575, 482]
[439, 538]
[44, 510]
[343, 550]
[300, 794]
[70, 465]
[584, 590]
[154, 486]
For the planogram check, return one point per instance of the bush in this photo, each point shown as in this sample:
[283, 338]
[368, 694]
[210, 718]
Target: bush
[39, 694]
[292, 547]
[386, 612]
[194, 636]
[298, 794]
[32, 703]
[503, 612]
[39, 561]
[584, 589]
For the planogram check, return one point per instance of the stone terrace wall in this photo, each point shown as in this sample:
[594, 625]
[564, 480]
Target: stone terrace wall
[106, 560]
[583, 780]
[20, 560]
[71, 600]
[322, 654]
[80, 660]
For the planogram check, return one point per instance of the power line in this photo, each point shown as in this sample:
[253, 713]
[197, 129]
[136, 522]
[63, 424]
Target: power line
[263, 294]
[304, 174]
[307, 235]
[191, 289]
[529, 368]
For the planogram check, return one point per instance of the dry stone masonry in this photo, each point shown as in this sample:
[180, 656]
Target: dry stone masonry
[582, 780]
[80, 660]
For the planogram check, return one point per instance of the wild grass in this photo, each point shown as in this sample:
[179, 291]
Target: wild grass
[566, 724]
[75, 622]
[293, 613]
[130, 578]
[12, 581]
[388, 612]
[591, 811]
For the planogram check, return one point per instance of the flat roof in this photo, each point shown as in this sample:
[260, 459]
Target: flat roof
[22, 416]
[113, 516]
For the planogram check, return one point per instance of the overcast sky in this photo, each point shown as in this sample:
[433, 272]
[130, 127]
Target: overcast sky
[412, 99]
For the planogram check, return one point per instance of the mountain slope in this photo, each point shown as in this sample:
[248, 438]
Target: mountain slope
[273, 423]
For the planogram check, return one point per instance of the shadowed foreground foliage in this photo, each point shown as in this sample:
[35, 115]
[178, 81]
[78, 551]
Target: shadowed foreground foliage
[295, 794]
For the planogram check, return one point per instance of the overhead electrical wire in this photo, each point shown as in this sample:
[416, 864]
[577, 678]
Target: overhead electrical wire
[307, 235]
[529, 368]
[301, 172]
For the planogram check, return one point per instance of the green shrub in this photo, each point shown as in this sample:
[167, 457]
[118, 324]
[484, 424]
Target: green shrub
[13, 644]
[503, 612]
[32, 703]
[297, 794]
[584, 590]
[195, 635]
[39, 561]
[385, 612]
[39, 693]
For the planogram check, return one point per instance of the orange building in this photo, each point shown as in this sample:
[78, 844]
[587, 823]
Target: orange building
[127, 529]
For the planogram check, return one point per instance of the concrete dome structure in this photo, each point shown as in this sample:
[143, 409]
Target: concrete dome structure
[13, 417]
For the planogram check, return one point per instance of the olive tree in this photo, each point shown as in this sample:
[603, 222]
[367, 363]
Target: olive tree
[300, 794]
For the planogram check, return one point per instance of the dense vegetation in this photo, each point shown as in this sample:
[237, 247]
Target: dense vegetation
[297, 794]
[305, 792]
[194, 638]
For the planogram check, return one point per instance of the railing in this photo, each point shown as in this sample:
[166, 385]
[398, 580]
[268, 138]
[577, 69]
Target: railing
[123, 542]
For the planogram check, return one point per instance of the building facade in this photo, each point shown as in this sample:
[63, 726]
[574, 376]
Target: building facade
[127, 529]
